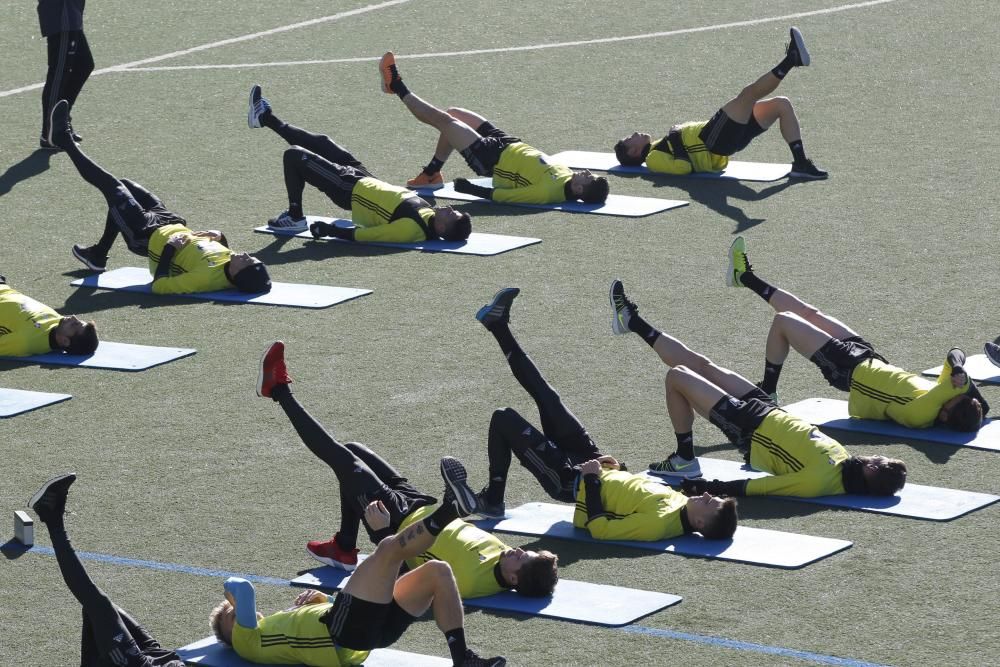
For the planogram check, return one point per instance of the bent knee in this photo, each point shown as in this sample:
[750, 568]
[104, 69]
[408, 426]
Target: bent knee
[440, 570]
[295, 154]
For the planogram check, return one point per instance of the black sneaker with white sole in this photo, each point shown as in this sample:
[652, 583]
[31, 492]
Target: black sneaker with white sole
[806, 170]
[91, 257]
[457, 488]
[498, 309]
[797, 48]
[49, 502]
[258, 107]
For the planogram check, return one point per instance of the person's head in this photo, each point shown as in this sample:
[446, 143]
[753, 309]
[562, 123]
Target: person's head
[962, 413]
[74, 336]
[532, 573]
[451, 225]
[221, 620]
[589, 188]
[631, 151]
[712, 516]
[882, 476]
[248, 273]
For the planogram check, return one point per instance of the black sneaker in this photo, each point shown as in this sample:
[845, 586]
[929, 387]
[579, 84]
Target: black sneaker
[46, 145]
[992, 351]
[49, 502]
[622, 310]
[473, 660]
[797, 48]
[490, 510]
[60, 132]
[805, 169]
[258, 107]
[498, 309]
[457, 487]
[91, 258]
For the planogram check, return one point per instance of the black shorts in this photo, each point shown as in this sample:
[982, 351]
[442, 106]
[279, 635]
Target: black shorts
[484, 153]
[137, 223]
[360, 625]
[724, 136]
[838, 358]
[738, 418]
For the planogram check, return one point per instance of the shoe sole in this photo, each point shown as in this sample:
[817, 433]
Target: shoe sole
[730, 279]
[616, 327]
[45, 487]
[250, 112]
[800, 45]
[455, 477]
[807, 177]
[485, 310]
[491, 515]
[387, 61]
[424, 186]
[260, 372]
[672, 473]
[90, 265]
[331, 562]
[295, 228]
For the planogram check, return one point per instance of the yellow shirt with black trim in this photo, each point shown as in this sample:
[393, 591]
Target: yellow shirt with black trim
[523, 175]
[389, 213]
[25, 324]
[700, 158]
[635, 508]
[199, 266]
[804, 461]
[472, 553]
[882, 391]
[292, 637]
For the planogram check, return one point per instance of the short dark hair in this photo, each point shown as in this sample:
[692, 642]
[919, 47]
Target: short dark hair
[84, 342]
[459, 229]
[538, 577]
[624, 158]
[596, 192]
[722, 524]
[966, 415]
[888, 479]
[215, 622]
[253, 279]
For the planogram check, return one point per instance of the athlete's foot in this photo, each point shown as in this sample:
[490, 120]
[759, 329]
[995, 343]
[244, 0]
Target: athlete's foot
[992, 351]
[91, 257]
[622, 310]
[738, 262]
[472, 659]
[488, 509]
[258, 107]
[329, 552]
[45, 144]
[498, 309]
[272, 370]
[676, 466]
[60, 133]
[425, 180]
[806, 170]
[286, 223]
[457, 488]
[387, 69]
[797, 48]
[49, 502]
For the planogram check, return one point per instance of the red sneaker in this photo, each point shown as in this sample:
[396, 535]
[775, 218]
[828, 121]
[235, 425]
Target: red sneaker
[387, 68]
[426, 181]
[272, 369]
[330, 553]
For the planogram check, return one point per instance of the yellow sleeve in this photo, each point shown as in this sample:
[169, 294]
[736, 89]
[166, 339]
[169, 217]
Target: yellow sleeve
[636, 526]
[403, 230]
[186, 283]
[665, 163]
[922, 411]
[799, 484]
[532, 194]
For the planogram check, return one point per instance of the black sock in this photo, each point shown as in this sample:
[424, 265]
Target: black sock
[434, 166]
[769, 385]
[505, 338]
[108, 238]
[643, 328]
[784, 67]
[442, 516]
[759, 287]
[685, 445]
[281, 391]
[456, 644]
[397, 86]
[496, 489]
[798, 152]
[295, 210]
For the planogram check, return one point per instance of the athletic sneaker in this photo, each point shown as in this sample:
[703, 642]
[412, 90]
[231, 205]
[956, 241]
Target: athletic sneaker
[272, 370]
[738, 262]
[387, 68]
[60, 133]
[473, 660]
[427, 181]
[992, 351]
[46, 145]
[329, 552]
[622, 309]
[675, 466]
[258, 107]
[456, 487]
[488, 509]
[806, 170]
[91, 258]
[286, 223]
[498, 309]
[49, 502]
[797, 48]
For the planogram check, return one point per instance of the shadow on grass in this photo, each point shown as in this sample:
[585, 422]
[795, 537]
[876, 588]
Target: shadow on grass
[30, 166]
[12, 549]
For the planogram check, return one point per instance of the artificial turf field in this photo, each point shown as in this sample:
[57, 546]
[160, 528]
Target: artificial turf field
[182, 464]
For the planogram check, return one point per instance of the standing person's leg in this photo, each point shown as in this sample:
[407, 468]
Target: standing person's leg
[57, 48]
[80, 64]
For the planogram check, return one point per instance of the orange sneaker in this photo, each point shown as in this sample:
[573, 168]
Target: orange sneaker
[425, 180]
[387, 68]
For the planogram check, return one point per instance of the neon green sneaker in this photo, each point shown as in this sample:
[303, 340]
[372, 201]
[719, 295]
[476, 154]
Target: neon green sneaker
[738, 263]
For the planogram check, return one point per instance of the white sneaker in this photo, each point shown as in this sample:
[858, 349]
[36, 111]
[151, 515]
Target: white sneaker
[287, 223]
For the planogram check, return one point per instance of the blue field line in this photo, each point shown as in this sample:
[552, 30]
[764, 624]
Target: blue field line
[631, 629]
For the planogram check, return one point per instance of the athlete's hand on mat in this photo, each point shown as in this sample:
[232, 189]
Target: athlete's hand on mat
[591, 467]
[463, 185]
[609, 462]
[178, 240]
[694, 487]
[310, 597]
[376, 515]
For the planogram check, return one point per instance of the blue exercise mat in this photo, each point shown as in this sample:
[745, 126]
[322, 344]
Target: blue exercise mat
[735, 170]
[979, 368]
[18, 401]
[210, 653]
[135, 279]
[576, 601]
[832, 413]
[620, 205]
[484, 245]
[113, 356]
[754, 546]
[914, 500]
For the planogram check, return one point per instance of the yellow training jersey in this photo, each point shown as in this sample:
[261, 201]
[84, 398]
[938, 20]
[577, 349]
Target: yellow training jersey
[197, 267]
[699, 157]
[635, 508]
[389, 213]
[523, 175]
[803, 460]
[293, 637]
[472, 553]
[882, 391]
[25, 324]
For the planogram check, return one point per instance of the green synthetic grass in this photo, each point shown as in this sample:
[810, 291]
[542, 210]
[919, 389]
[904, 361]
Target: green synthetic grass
[183, 464]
